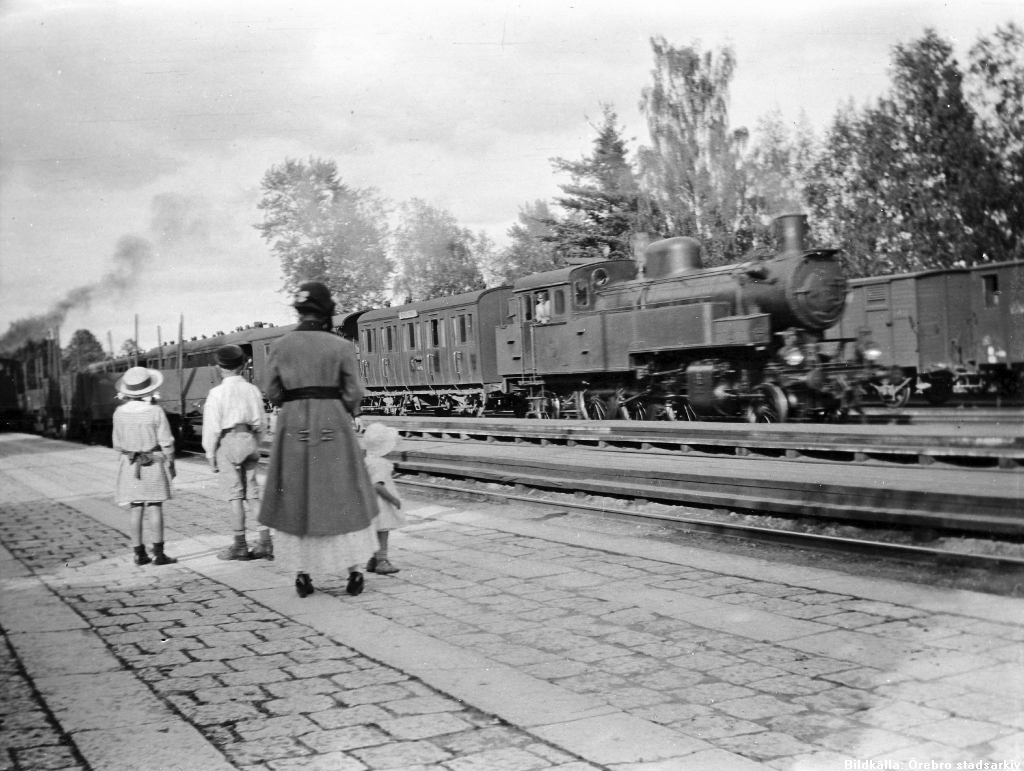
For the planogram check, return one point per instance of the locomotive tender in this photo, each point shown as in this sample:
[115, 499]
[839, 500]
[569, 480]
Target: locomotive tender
[660, 339]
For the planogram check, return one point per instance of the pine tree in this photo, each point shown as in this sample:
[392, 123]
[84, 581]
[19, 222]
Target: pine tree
[601, 202]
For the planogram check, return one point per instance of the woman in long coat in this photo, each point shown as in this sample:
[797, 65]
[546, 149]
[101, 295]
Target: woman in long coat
[318, 496]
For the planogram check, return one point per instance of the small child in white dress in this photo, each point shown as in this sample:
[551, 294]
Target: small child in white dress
[378, 440]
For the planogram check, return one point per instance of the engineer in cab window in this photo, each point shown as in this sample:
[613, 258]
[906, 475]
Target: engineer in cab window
[543, 308]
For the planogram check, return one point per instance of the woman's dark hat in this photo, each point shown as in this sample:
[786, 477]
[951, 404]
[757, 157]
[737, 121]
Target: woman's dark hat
[314, 297]
[230, 356]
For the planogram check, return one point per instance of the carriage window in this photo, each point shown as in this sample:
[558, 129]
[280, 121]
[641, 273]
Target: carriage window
[410, 336]
[464, 327]
[390, 338]
[368, 340]
[436, 333]
[559, 302]
[582, 294]
[469, 327]
[991, 287]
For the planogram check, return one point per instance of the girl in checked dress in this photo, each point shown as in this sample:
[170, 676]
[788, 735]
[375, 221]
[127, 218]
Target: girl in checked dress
[143, 437]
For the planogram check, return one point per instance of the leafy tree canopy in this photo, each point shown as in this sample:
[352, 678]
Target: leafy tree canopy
[693, 170]
[323, 230]
[435, 256]
[82, 350]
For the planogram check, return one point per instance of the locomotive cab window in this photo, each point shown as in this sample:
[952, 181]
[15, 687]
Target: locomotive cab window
[990, 285]
[600, 277]
[528, 307]
[559, 309]
[582, 294]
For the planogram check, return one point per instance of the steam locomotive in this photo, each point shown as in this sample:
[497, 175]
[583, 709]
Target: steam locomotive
[661, 338]
[665, 339]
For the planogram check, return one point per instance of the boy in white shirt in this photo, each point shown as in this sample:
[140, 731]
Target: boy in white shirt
[233, 423]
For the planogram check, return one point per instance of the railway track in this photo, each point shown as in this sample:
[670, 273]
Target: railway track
[762, 534]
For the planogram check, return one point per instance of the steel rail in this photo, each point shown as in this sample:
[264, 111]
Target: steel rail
[748, 532]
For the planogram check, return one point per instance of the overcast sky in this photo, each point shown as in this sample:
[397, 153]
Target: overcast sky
[158, 119]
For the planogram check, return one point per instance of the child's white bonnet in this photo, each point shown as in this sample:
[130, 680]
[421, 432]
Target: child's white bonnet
[378, 439]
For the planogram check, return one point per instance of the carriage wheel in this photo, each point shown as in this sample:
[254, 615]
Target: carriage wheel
[769, 405]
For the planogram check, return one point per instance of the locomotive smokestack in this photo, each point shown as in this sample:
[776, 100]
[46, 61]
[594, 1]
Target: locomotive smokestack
[790, 230]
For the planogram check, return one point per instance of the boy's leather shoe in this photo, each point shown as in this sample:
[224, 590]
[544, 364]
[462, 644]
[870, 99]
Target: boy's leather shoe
[262, 550]
[384, 568]
[235, 552]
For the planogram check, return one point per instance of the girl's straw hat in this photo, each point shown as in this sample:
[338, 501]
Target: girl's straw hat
[379, 439]
[139, 381]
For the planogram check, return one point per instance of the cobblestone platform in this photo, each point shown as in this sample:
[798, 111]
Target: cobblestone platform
[510, 640]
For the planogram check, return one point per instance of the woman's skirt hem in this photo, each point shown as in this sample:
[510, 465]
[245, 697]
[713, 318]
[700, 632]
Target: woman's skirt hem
[334, 554]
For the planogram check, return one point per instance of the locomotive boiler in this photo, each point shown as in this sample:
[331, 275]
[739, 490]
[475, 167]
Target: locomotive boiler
[669, 339]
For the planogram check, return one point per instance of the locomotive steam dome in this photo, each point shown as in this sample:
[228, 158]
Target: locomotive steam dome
[672, 257]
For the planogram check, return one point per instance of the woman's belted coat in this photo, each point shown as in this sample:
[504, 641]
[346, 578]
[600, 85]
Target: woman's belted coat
[317, 483]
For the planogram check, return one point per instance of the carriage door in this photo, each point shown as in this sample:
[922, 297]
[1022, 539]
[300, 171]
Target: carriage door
[526, 309]
[368, 356]
[433, 344]
[389, 346]
[412, 347]
[509, 341]
[879, 319]
[992, 303]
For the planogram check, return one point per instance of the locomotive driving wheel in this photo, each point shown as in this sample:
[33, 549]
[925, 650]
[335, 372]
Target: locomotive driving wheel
[769, 405]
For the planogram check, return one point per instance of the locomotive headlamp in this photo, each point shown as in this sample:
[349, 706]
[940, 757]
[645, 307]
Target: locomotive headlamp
[871, 353]
[793, 356]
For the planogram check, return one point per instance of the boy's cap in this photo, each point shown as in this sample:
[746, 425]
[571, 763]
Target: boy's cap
[230, 356]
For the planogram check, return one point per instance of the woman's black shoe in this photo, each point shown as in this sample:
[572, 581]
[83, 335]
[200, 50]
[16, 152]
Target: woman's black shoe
[355, 584]
[303, 585]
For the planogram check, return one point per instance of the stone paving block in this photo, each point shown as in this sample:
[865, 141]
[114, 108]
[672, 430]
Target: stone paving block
[101, 700]
[630, 698]
[168, 745]
[340, 717]
[507, 759]
[74, 651]
[867, 743]
[758, 707]
[765, 745]
[305, 703]
[328, 761]
[900, 715]
[253, 677]
[423, 726]
[713, 693]
[343, 739]
[51, 757]
[619, 738]
[399, 754]
[791, 685]
[261, 750]
[959, 732]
